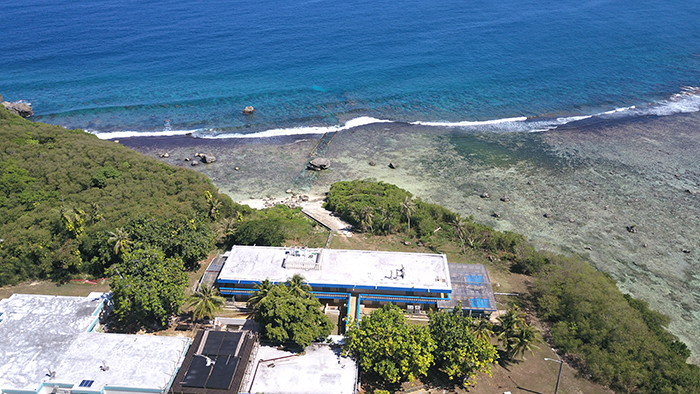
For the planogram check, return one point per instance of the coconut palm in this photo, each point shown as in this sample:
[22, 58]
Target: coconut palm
[407, 207]
[206, 301]
[366, 218]
[483, 329]
[459, 225]
[262, 290]
[515, 334]
[525, 340]
[297, 287]
[122, 240]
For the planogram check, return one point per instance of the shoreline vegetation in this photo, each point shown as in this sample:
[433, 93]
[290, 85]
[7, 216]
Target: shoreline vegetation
[74, 206]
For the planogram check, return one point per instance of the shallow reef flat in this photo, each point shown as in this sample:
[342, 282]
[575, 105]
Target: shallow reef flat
[623, 194]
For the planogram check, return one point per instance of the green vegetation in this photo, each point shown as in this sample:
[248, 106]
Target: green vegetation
[389, 348]
[516, 336]
[72, 205]
[147, 287]
[382, 208]
[205, 302]
[288, 313]
[612, 338]
[392, 350]
[461, 352]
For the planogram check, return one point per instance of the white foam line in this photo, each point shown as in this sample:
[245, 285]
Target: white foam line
[616, 110]
[127, 134]
[361, 121]
[472, 123]
[688, 100]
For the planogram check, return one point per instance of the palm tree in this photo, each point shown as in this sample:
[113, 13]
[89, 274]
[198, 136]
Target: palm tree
[407, 207]
[224, 228]
[483, 329]
[121, 239]
[525, 341]
[386, 223]
[366, 218]
[514, 332]
[206, 301]
[262, 290]
[459, 226]
[297, 287]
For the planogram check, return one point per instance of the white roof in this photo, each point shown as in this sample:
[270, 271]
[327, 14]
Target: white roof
[39, 334]
[321, 369]
[360, 269]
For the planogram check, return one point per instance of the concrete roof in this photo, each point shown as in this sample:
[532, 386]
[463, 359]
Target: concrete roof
[136, 361]
[36, 331]
[41, 333]
[321, 370]
[340, 268]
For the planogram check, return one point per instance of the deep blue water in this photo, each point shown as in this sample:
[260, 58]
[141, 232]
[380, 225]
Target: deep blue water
[132, 65]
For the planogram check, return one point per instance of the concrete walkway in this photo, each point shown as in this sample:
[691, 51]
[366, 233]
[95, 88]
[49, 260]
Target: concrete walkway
[314, 209]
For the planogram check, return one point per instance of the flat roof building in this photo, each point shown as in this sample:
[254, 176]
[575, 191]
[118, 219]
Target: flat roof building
[47, 345]
[340, 269]
[357, 278]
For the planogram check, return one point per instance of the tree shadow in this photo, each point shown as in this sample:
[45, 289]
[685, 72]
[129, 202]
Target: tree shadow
[519, 387]
[505, 361]
[372, 382]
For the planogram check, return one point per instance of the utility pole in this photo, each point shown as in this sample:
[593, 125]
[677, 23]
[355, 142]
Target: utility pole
[561, 365]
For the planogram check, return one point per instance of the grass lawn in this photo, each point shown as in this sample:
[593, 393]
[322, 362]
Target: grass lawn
[78, 289]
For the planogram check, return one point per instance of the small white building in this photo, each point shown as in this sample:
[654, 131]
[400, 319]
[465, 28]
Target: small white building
[47, 346]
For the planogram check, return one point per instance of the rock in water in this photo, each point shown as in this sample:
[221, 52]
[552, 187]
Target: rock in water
[22, 109]
[318, 164]
[207, 158]
[248, 110]
[393, 165]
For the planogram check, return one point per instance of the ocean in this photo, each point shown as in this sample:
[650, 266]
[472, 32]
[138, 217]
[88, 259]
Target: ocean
[177, 67]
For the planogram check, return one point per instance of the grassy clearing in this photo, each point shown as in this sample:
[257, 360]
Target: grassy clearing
[77, 289]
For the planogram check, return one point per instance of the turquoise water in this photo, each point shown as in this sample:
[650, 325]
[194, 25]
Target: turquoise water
[179, 66]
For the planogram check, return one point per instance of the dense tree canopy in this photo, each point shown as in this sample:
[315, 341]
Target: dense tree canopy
[147, 287]
[387, 346]
[287, 317]
[382, 208]
[620, 342]
[65, 193]
[460, 352]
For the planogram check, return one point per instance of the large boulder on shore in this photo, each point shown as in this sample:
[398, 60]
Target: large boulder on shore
[207, 158]
[318, 164]
[22, 109]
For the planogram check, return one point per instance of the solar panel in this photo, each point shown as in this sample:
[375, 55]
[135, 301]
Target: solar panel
[214, 339]
[480, 302]
[197, 373]
[230, 344]
[474, 279]
[86, 383]
[222, 375]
